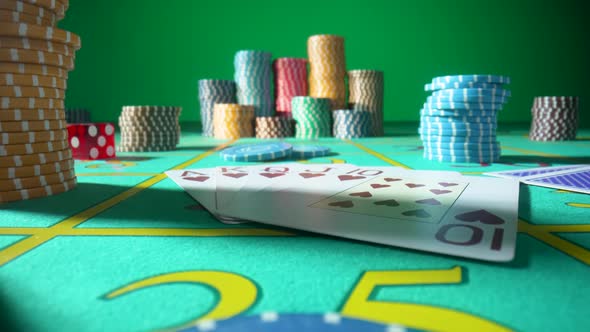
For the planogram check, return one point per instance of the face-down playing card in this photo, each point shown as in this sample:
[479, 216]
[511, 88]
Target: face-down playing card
[476, 218]
[577, 180]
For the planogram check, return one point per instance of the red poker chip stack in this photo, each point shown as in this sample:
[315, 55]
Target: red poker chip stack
[290, 81]
[554, 118]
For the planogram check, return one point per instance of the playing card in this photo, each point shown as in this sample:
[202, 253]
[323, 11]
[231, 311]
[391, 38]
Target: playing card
[577, 180]
[529, 172]
[478, 218]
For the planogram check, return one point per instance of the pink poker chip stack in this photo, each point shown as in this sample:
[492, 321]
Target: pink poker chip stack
[290, 81]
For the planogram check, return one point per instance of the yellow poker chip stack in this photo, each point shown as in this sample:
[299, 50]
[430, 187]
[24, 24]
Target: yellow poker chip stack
[35, 57]
[327, 69]
[232, 121]
[365, 89]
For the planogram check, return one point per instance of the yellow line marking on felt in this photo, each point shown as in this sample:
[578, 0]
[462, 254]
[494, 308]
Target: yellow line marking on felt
[116, 174]
[536, 153]
[185, 232]
[377, 155]
[46, 234]
[579, 205]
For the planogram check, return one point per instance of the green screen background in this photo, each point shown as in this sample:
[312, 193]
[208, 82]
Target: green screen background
[154, 52]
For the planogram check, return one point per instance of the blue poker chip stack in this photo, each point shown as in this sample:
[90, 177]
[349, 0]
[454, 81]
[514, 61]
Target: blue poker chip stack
[352, 124]
[213, 92]
[253, 76]
[459, 119]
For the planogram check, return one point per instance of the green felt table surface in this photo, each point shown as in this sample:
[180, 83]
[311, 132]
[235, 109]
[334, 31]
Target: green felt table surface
[128, 250]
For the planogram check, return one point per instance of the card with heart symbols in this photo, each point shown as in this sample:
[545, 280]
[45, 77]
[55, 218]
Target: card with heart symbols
[418, 199]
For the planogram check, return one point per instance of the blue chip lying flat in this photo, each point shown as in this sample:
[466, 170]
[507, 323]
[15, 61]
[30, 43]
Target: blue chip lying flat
[309, 151]
[257, 152]
[273, 322]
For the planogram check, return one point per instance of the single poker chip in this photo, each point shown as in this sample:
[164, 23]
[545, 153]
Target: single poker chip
[30, 103]
[26, 126]
[37, 181]
[37, 45]
[122, 148]
[6, 150]
[57, 6]
[459, 120]
[36, 170]
[31, 114]
[28, 68]
[274, 322]
[39, 32]
[35, 159]
[37, 192]
[459, 133]
[36, 57]
[7, 15]
[499, 92]
[436, 145]
[309, 151]
[257, 152]
[458, 113]
[31, 91]
[458, 126]
[461, 85]
[8, 79]
[32, 136]
[451, 105]
[466, 99]
[496, 79]
[463, 159]
[438, 139]
[464, 152]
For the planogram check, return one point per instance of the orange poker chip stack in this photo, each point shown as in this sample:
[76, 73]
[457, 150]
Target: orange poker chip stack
[35, 57]
[327, 69]
[232, 121]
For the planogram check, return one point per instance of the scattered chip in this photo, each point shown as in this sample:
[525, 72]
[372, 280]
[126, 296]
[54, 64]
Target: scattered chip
[257, 152]
[309, 151]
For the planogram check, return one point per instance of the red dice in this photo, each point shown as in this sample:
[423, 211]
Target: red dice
[92, 140]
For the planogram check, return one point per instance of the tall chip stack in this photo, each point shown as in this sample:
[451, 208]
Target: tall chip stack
[149, 128]
[313, 117]
[327, 69]
[35, 57]
[210, 93]
[290, 81]
[233, 121]
[365, 88]
[253, 71]
[352, 124]
[458, 121]
[555, 118]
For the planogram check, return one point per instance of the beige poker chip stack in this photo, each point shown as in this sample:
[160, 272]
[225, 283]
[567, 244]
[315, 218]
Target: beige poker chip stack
[35, 57]
[149, 128]
[327, 69]
[365, 89]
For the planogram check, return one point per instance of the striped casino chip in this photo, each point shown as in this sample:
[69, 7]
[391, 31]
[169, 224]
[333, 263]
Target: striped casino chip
[274, 127]
[352, 124]
[366, 94]
[290, 81]
[233, 121]
[149, 128]
[312, 116]
[327, 69]
[213, 91]
[554, 118]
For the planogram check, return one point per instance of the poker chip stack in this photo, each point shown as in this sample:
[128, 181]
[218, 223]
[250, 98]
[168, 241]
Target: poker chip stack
[290, 81]
[352, 124]
[365, 89]
[233, 121]
[458, 121]
[149, 128]
[77, 115]
[210, 93]
[274, 127]
[253, 78]
[313, 117]
[327, 69]
[35, 57]
[554, 118]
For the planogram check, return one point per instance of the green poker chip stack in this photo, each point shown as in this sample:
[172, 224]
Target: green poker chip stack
[313, 117]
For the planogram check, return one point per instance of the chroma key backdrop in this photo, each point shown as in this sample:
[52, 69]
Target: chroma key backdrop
[154, 52]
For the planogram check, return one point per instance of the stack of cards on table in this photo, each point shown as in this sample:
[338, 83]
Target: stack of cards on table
[435, 211]
[566, 177]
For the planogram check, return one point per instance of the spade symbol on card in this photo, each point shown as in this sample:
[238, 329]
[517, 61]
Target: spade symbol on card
[428, 201]
[482, 216]
[342, 204]
[389, 202]
[414, 185]
[201, 178]
[272, 175]
[349, 177]
[361, 194]
[235, 175]
[310, 175]
[416, 213]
